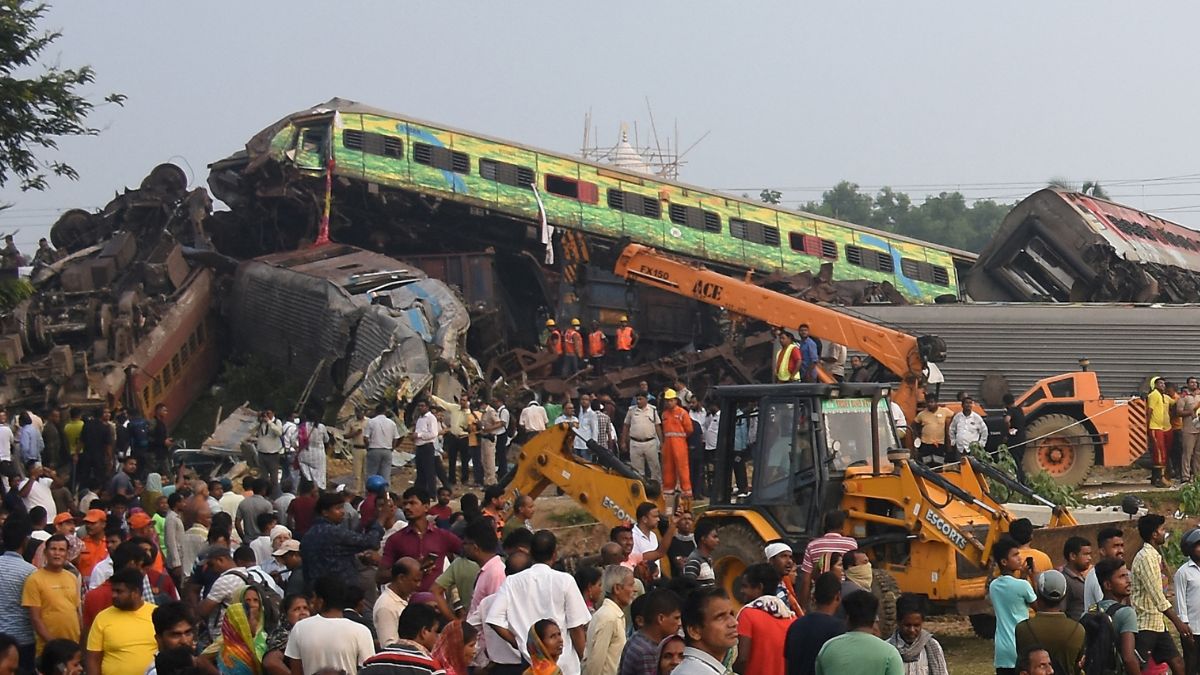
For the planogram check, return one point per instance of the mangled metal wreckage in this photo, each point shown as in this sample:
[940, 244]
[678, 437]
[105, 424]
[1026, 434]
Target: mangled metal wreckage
[120, 314]
[369, 326]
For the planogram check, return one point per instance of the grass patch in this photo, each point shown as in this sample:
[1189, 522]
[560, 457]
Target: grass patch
[571, 517]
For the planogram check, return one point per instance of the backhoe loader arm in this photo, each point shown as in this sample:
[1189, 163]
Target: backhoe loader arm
[610, 495]
[898, 352]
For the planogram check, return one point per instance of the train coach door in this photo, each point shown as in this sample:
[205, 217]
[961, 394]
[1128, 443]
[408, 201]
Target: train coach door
[311, 150]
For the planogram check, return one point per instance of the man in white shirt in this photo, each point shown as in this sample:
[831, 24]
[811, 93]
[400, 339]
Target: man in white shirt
[382, 435]
[1187, 591]
[587, 427]
[406, 578]
[569, 417]
[6, 439]
[35, 490]
[533, 418]
[541, 593]
[966, 428]
[503, 435]
[328, 639]
[269, 446]
[645, 532]
[427, 431]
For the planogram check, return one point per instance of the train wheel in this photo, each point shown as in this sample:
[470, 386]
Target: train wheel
[1066, 452]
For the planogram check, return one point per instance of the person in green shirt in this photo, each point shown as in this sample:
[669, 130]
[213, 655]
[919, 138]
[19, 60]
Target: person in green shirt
[460, 576]
[860, 650]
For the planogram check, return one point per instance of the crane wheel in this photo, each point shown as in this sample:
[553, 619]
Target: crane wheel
[740, 547]
[1067, 453]
[884, 587]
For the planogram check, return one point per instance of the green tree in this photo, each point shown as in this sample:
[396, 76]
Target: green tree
[39, 103]
[844, 202]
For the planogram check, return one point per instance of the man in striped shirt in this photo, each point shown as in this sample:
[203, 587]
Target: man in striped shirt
[411, 654]
[816, 554]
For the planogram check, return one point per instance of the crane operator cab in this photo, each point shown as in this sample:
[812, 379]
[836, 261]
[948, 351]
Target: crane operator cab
[783, 450]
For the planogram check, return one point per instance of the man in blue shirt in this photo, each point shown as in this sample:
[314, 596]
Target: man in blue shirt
[809, 355]
[14, 618]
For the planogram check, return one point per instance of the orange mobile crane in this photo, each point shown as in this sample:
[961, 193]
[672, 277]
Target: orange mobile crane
[1071, 426]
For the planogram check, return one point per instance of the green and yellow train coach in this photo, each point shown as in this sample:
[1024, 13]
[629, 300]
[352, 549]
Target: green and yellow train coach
[518, 181]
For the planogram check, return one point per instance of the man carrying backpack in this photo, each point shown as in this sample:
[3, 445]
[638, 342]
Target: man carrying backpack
[1111, 625]
[1056, 632]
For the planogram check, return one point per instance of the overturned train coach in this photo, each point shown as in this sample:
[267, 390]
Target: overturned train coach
[1060, 246]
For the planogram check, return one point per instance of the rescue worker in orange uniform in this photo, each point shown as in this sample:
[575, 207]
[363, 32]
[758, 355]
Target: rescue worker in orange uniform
[676, 426]
[626, 341]
[787, 360]
[572, 341]
[597, 346]
[554, 339]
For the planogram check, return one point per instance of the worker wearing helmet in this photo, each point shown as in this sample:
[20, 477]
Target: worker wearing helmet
[597, 347]
[676, 426]
[627, 339]
[554, 339]
[572, 342]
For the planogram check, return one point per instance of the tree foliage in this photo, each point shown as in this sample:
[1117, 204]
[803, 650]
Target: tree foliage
[39, 103]
[945, 218]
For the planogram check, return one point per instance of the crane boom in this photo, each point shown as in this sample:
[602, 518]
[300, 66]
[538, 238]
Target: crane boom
[904, 355]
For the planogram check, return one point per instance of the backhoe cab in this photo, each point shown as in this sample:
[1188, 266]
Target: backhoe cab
[803, 450]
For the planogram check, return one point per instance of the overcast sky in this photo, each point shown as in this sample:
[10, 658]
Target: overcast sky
[989, 98]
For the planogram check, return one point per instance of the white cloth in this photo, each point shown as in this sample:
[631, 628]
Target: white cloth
[6, 443]
[340, 644]
[533, 417]
[386, 616]
[712, 423]
[381, 432]
[39, 495]
[267, 440]
[427, 428]
[495, 648]
[541, 593]
[580, 441]
[968, 429]
[645, 543]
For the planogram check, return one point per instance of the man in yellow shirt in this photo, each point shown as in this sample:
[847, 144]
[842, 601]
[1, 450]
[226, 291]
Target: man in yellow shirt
[121, 639]
[52, 596]
[1159, 406]
[931, 423]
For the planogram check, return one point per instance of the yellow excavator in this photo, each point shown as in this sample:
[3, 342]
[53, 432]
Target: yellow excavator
[801, 450]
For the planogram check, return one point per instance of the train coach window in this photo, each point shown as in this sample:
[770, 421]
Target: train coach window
[574, 189]
[869, 259]
[919, 270]
[758, 233]
[695, 218]
[632, 202]
[508, 174]
[806, 243]
[371, 143]
[441, 158]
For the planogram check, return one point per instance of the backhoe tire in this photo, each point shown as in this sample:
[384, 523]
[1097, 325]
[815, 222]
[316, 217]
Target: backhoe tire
[1067, 454]
[885, 588]
[984, 626]
[740, 547]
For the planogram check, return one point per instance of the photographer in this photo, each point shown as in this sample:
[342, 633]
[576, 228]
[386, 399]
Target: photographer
[268, 443]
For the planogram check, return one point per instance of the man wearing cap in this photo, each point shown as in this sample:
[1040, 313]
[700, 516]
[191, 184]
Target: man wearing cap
[94, 549]
[230, 579]
[288, 557]
[1056, 632]
[627, 339]
[779, 554]
[676, 427]
[641, 436]
[1159, 406]
[572, 349]
[554, 339]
